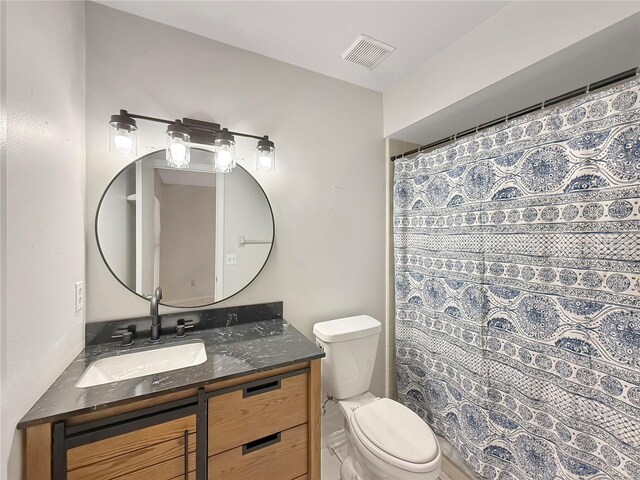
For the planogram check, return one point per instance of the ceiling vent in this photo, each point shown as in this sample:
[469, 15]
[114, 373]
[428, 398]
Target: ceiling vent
[367, 52]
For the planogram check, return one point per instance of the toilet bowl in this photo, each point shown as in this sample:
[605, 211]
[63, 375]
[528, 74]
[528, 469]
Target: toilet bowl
[386, 439]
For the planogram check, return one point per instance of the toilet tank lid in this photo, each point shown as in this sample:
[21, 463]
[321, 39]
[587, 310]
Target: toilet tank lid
[348, 328]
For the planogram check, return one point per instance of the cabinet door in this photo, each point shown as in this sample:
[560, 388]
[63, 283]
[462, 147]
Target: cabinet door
[164, 451]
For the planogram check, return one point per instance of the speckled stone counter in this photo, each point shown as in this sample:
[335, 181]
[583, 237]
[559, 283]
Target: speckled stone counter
[232, 351]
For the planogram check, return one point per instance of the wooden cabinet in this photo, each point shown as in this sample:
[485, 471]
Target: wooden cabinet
[261, 426]
[259, 430]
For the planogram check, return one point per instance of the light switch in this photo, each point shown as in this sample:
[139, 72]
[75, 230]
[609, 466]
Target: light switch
[79, 296]
[232, 259]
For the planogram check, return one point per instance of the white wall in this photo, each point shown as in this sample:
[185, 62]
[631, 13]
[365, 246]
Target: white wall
[43, 205]
[519, 35]
[246, 212]
[117, 228]
[328, 192]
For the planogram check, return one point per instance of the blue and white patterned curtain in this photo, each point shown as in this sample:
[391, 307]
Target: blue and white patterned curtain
[517, 256]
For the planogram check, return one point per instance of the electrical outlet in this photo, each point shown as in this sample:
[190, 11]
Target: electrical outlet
[232, 259]
[79, 296]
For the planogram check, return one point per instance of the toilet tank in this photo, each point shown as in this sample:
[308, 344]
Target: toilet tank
[350, 345]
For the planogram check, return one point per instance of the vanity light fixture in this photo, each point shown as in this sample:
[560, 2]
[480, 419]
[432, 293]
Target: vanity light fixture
[266, 155]
[224, 159]
[123, 137]
[178, 145]
[181, 134]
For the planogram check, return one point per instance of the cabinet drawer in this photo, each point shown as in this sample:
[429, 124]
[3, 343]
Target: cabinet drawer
[140, 441]
[282, 456]
[139, 459]
[262, 408]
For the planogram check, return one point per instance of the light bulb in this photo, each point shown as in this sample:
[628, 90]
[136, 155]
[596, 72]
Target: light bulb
[122, 142]
[265, 155]
[225, 153]
[224, 157]
[178, 152]
[123, 136]
[178, 145]
[265, 162]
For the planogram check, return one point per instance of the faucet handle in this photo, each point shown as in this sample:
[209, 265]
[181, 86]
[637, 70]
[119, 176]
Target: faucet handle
[126, 335]
[182, 326]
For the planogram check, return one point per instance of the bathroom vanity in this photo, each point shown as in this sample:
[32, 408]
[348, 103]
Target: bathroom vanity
[251, 410]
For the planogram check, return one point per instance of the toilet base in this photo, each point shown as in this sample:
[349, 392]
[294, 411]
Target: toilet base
[347, 471]
[351, 470]
[357, 467]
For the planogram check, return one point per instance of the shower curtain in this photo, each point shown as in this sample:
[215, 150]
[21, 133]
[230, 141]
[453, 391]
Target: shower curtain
[517, 263]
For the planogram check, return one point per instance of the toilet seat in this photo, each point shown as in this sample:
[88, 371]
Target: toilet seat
[396, 435]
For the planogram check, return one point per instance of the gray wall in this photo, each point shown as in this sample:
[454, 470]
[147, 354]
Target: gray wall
[328, 191]
[42, 201]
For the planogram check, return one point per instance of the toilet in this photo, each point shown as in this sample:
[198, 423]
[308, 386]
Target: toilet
[386, 439]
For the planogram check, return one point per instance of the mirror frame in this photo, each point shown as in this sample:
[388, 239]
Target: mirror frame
[273, 237]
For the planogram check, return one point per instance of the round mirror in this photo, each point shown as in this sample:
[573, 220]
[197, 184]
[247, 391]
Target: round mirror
[200, 236]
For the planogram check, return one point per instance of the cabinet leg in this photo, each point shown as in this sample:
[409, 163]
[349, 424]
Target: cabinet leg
[315, 420]
[38, 452]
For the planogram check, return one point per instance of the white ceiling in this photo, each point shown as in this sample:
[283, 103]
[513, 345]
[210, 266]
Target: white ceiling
[616, 49]
[313, 34]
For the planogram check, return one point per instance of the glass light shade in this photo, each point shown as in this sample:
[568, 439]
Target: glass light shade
[178, 149]
[224, 158]
[266, 159]
[123, 139]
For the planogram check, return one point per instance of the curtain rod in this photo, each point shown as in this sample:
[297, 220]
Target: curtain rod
[539, 106]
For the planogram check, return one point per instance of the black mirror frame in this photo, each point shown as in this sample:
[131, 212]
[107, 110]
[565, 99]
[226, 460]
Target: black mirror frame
[273, 237]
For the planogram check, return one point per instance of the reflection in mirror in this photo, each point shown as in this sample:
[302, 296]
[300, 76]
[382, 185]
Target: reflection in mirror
[202, 237]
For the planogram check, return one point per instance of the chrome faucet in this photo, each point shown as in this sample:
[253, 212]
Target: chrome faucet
[155, 318]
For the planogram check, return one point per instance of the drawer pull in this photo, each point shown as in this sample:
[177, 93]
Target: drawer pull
[260, 443]
[261, 388]
[186, 455]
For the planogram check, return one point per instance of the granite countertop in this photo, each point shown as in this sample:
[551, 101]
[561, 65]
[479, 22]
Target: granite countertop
[232, 351]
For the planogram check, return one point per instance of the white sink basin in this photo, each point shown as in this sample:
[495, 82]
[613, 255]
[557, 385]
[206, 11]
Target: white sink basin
[139, 364]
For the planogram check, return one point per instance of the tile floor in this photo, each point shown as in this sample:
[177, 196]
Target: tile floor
[333, 455]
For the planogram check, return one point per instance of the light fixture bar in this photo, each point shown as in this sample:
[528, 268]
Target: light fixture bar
[181, 133]
[193, 124]
[143, 117]
[190, 122]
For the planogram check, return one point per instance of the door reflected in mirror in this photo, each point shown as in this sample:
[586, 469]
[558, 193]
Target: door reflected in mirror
[202, 237]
